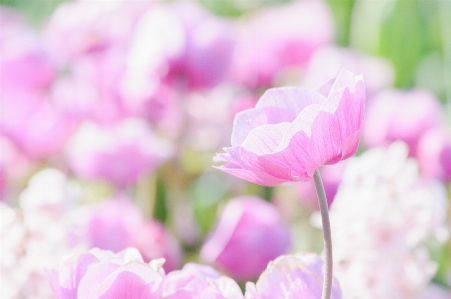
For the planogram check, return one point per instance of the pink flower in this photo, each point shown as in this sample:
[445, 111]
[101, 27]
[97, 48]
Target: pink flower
[331, 176]
[293, 131]
[154, 241]
[24, 62]
[117, 223]
[434, 154]
[33, 123]
[198, 281]
[328, 61]
[268, 45]
[291, 277]
[113, 224]
[401, 115]
[120, 153]
[103, 274]
[193, 48]
[240, 244]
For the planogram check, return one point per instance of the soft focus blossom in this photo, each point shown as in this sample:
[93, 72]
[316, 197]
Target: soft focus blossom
[434, 154]
[239, 244]
[113, 224]
[33, 124]
[401, 115]
[279, 37]
[194, 48]
[198, 281]
[291, 277]
[434, 291]
[117, 223]
[328, 61]
[293, 131]
[154, 241]
[331, 177]
[120, 153]
[82, 28]
[24, 61]
[35, 235]
[104, 274]
[381, 218]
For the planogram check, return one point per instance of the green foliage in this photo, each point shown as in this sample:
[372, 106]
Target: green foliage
[342, 11]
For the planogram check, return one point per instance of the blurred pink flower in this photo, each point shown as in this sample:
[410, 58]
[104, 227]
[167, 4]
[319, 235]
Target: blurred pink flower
[328, 61]
[267, 44]
[33, 124]
[117, 223]
[331, 176]
[401, 115]
[194, 47]
[90, 90]
[239, 244]
[199, 281]
[382, 217]
[113, 224]
[103, 274]
[34, 235]
[119, 153]
[434, 291]
[293, 131]
[154, 240]
[24, 62]
[88, 27]
[291, 277]
[434, 154]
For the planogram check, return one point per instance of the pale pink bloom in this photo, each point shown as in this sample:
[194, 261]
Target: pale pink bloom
[239, 244]
[33, 124]
[297, 276]
[117, 223]
[113, 224]
[91, 89]
[331, 176]
[293, 131]
[434, 291]
[380, 273]
[383, 215]
[120, 153]
[198, 281]
[104, 274]
[434, 154]
[14, 167]
[88, 27]
[24, 62]
[35, 235]
[154, 241]
[268, 45]
[401, 115]
[328, 61]
[181, 43]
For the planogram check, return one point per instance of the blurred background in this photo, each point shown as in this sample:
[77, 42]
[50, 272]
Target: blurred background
[112, 112]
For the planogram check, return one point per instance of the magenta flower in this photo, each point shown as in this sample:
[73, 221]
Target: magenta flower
[267, 45]
[331, 176]
[293, 131]
[291, 277]
[103, 274]
[197, 281]
[401, 115]
[239, 244]
[113, 224]
[120, 153]
[154, 241]
[434, 154]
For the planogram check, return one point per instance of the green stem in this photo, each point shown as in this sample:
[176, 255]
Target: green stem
[328, 261]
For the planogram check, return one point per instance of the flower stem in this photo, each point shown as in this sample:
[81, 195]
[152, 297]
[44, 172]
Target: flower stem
[322, 200]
